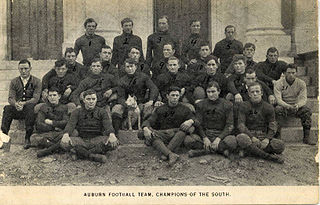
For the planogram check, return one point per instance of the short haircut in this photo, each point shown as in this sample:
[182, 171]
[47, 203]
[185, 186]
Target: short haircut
[292, 66]
[164, 17]
[60, 62]
[174, 58]
[96, 60]
[204, 43]
[126, 20]
[250, 71]
[130, 61]
[169, 43]
[229, 26]
[248, 45]
[54, 89]
[272, 50]
[23, 61]
[105, 47]
[68, 50]
[135, 47]
[254, 84]
[194, 20]
[211, 57]
[89, 20]
[214, 84]
[238, 57]
[173, 88]
[89, 92]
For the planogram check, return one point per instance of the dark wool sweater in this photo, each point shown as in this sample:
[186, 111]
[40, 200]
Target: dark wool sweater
[215, 115]
[137, 85]
[166, 117]
[203, 79]
[121, 46]
[191, 47]
[89, 123]
[155, 44]
[257, 117]
[267, 71]
[90, 47]
[99, 83]
[225, 50]
[57, 113]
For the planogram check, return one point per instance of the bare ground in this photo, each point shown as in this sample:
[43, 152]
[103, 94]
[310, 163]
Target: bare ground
[140, 165]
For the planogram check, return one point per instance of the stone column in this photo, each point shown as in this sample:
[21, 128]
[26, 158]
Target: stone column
[306, 32]
[73, 19]
[264, 27]
[3, 30]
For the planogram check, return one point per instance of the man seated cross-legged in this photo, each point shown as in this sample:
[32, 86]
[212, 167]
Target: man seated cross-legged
[216, 125]
[167, 126]
[89, 132]
[51, 119]
[257, 126]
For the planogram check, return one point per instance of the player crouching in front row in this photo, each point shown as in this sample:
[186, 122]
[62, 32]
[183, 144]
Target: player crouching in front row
[89, 132]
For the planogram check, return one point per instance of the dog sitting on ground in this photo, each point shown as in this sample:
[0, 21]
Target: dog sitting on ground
[133, 112]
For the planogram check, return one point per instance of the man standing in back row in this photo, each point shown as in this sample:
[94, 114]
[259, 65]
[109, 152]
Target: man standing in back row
[122, 43]
[90, 43]
[226, 48]
[158, 39]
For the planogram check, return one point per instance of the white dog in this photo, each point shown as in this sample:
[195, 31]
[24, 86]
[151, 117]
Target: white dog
[133, 112]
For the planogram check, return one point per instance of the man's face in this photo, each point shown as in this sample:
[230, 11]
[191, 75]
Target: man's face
[106, 54]
[255, 94]
[90, 101]
[130, 68]
[134, 54]
[54, 97]
[173, 98]
[250, 78]
[290, 74]
[239, 67]
[204, 51]
[195, 27]
[96, 68]
[163, 24]
[273, 57]
[24, 70]
[173, 66]
[127, 27]
[61, 71]
[249, 52]
[211, 67]
[168, 51]
[91, 28]
[71, 58]
[213, 93]
[230, 33]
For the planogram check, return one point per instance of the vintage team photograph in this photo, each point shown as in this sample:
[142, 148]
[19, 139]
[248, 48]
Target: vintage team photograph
[159, 93]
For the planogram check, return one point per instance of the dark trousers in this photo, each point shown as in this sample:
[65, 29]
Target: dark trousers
[10, 113]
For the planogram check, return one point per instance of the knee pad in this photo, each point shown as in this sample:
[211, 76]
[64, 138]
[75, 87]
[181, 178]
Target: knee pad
[277, 146]
[231, 142]
[243, 140]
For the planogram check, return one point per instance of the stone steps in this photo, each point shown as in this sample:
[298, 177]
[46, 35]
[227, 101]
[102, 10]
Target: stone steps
[312, 91]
